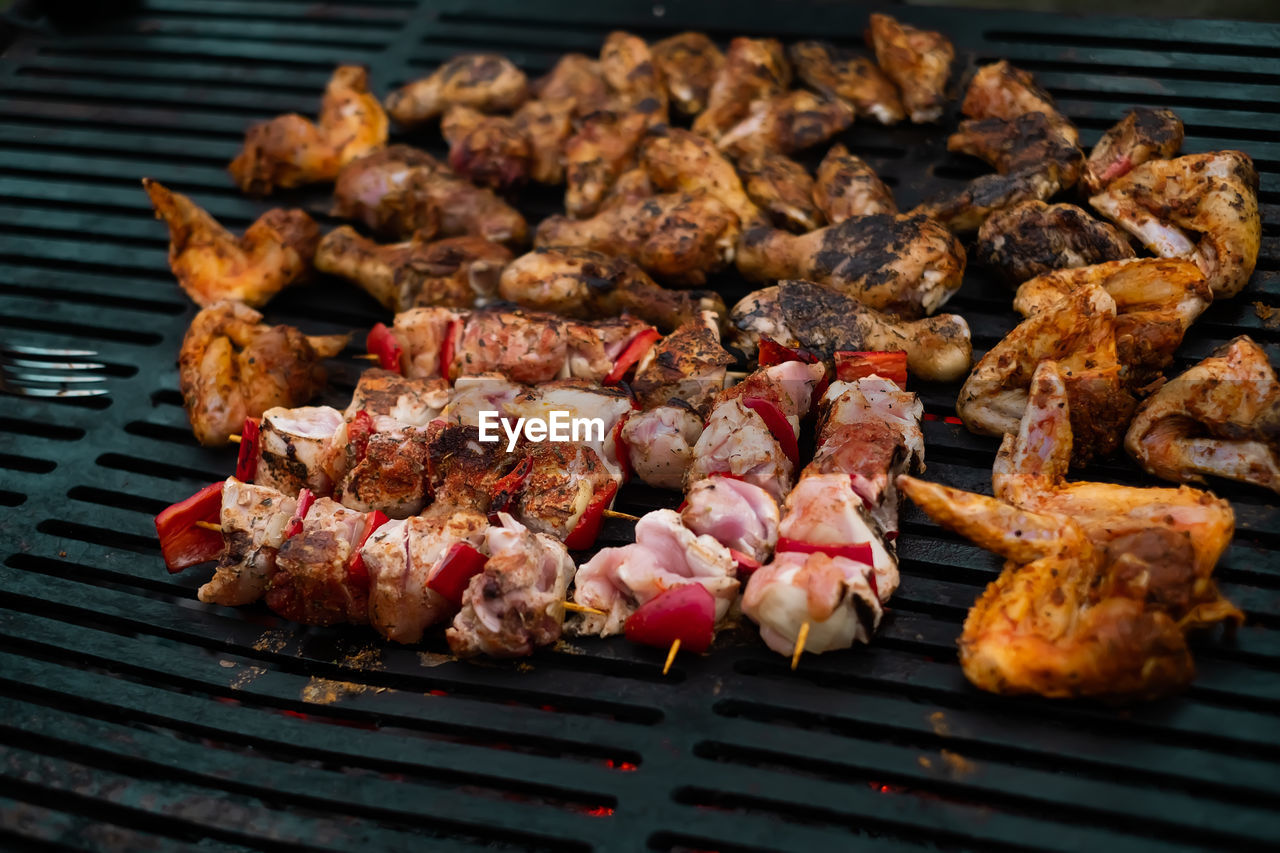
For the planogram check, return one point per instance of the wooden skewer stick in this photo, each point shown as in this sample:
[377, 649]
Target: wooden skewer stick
[582, 608]
[233, 438]
[800, 638]
[368, 356]
[625, 516]
[209, 525]
[671, 655]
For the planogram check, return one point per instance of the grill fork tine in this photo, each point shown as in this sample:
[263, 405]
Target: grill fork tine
[17, 376]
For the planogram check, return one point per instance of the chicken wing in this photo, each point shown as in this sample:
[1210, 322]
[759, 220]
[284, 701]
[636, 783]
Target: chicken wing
[1000, 90]
[786, 123]
[853, 79]
[753, 69]
[1201, 206]
[824, 322]
[1033, 238]
[1145, 133]
[917, 61]
[484, 81]
[783, 190]
[689, 63]
[233, 366]
[402, 191]
[1011, 145]
[631, 186]
[546, 125]
[679, 160]
[290, 151]
[577, 79]
[909, 265]
[675, 237]
[585, 284]
[212, 264]
[1079, 333]
[602, 149]
[457, 272]
[634, 78]
[1221, 418]
[491, 151]
[847, 187]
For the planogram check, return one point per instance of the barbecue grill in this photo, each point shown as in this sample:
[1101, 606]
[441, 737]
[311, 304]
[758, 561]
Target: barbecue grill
[134, 717]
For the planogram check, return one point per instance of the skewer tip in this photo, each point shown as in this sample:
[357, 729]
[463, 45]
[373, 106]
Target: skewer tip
[209, 525]
[233, 438]
[800, 640]
[671, 655]
[582, 608]
[368, 356]
[625, 516]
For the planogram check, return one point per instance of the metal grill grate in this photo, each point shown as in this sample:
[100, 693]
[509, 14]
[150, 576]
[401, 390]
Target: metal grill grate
[133, 717]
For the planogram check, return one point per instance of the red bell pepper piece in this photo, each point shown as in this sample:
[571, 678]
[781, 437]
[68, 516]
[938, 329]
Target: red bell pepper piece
[584, 533]
[448, 347]
[778, 425]
[382, 343]
[305, 500]
[686, 613]
[746, 565]
[247, 460]
[457, 567]
[621, 449]
[857, 365]
[359, 431]
[859, 552]
[355, 566]
[507, 490]
[772, 352]
[631, 355]
[182, 543]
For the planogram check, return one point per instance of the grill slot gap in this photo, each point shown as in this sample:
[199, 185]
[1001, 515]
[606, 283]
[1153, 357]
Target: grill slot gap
[152, 468]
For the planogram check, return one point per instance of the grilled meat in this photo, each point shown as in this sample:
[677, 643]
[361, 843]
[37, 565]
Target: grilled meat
[1027, 140]
[547, 125]
[457, 272]
[737, 514]
[1220, 418]
[402, 191]
[846, 187]
[1201, 206]
[687, 366]
[689, 63]
[682, 161]
[491, 151]
[584, 284]
[294, 448]
[392, 400]
[1145, 133]
[753, 69]
[290, 151]
[1000, 90]
[233, 366]
[917, 61]
[313, 583]
[660, 443]
[253, 521]
[906, 264]
[965, 209]
[853, 79]
[801, 314]
[632, 75]
[631, 186]
[783, 190]
[1033, 238]
[577, 79]
[212, 264]
[602, 149]
[675, 237]
[483, 81]
[786, 123]
[387, 471]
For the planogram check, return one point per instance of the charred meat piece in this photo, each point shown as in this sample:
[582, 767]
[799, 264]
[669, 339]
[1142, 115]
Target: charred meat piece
[675, 237]
[1011, 145]
[1000, 90]
[386, 472]
[1033, 238]
[576, 79]
[290, 151]
[233, 366]
[1201, 206]
[917, 61]
[457, 272]
[754, 69]
[686, 367]
[631, 186]
[584, 284]
[632, 75]
[546, 125]
[909, 265]
[689, 63]
[847, 187]
[392, 400]
[802, 314]
[853, 79]
[313, 583]
[401, 191]
[967, 208]
[786, 123]
[1145, 133]
[563, 479]
[294, 448]
[491, 151]
[679, 160]
[783, 190]
[253, 521]
[482, 81]
[602, 149]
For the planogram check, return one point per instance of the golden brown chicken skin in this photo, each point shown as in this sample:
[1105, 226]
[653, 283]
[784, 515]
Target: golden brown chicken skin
[1145, 133]
[484, 81]
[846, 187]
[577, 79]
[1000, 90]
[689, 63]
[546, 126]
[1220, 418]
[782, 188]
[753, 69]
[628, 68]
[402, 191]
[603, 148]
[678, 160]
[491, 151]
[786, 123]
[583, 284]
[851, 78]
[1033, 238]
[290, 150]
[457, 272]
[685, 368]
[675, 237]
[233, 366]
[917, 61]
[908, 265]
[212, 264]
